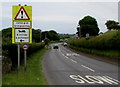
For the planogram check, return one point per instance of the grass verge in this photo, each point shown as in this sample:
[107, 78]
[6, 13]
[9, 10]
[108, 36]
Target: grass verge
[33, 74]
[110, 56]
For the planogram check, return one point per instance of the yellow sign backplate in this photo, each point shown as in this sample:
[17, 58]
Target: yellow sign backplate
[21, 22]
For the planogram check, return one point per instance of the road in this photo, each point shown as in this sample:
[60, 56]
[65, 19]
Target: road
[64, 67]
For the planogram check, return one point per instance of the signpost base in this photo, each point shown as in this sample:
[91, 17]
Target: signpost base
[25, 56]
[18, 57]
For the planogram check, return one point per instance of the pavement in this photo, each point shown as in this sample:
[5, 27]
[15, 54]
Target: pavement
[64, 67]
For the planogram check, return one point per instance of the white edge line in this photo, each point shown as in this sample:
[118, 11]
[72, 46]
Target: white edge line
[73, 61]
[88, 68]
[63, 54]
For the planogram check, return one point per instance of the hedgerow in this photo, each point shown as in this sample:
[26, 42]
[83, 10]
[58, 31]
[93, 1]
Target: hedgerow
[10, 52]
[108, 41]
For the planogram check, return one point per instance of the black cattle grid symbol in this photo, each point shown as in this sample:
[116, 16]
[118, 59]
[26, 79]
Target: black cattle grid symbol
[22, 31]
[21, 40]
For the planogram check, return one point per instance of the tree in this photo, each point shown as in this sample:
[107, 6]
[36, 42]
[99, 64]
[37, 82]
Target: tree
[51, 35]
[7, 33]
[46, 40]
[36, 35]
[88, 25]
[45, 35]
[111, 24]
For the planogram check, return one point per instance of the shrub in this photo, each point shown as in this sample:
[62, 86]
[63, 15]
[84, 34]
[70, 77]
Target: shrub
[10, 51]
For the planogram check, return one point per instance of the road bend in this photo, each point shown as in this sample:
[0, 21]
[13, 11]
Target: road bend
[64, 67]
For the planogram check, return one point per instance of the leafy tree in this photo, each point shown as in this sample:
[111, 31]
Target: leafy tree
[46, 40]
[51, 35]
[111, 24]
[45, 35]
[36, 35]
[88, 25]
[7, 33]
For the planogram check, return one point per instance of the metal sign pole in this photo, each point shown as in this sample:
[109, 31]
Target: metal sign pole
[18, 57]
[25, 56]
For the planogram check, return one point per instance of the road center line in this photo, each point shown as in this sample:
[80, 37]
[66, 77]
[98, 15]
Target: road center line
[88, 68]
[63, 54]
[73, 61]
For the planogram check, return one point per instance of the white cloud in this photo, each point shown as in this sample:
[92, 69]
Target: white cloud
[55, 18]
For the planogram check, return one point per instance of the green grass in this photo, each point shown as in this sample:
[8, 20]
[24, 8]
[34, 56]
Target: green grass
[110, 56]
[33, 74]
[106, 45]
[107, 53]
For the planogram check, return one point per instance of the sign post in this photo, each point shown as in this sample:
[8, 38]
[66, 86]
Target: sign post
[18, 57]
[21, 28]
[87, 36]
[25, 47]
[25, 56]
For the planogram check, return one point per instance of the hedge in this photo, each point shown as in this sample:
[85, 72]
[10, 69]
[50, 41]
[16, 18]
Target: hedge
[10, 51]
[107, 41]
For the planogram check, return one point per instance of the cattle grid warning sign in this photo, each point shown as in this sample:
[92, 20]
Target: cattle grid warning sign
[21, 24]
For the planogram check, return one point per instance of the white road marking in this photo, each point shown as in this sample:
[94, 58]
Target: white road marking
[63, 54]
[88, 68]
[113, 79]
[94, 79]
[67, 57]
[71, 54]
[73, 61]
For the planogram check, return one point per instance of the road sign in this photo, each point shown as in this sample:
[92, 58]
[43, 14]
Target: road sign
[25, 47]
[22, 15]
[87, 35]
[22, 35]
[21, 24]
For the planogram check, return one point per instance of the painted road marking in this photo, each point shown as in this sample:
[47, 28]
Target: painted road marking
[73, 61]
[94, 79]
[67, 57]
[63, 54]
[88, 68]
[71, 54]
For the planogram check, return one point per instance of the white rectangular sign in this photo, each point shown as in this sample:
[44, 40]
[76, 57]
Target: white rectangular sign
[22, 24]
[22, 35]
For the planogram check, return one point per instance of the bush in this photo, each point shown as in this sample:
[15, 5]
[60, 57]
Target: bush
[10, 51]
[46, 40]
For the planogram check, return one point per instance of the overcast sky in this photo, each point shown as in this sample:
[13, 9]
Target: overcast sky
[63, 16]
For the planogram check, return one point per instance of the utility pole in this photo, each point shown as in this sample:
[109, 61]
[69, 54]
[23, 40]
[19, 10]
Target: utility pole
[79, 31]
[40, 34]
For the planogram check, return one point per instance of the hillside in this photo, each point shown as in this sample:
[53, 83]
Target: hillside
[107, 44]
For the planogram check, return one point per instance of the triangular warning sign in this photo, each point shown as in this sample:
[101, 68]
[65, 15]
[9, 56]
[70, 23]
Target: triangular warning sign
[22, 15]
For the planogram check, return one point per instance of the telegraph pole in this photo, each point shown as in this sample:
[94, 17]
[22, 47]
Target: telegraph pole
[79, 31]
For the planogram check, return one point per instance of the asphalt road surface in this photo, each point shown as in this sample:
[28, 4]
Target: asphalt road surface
[64, 67]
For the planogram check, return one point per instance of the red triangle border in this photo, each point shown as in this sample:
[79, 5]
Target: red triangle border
[18, 14]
